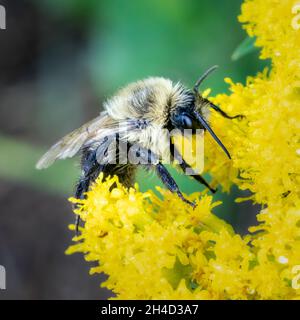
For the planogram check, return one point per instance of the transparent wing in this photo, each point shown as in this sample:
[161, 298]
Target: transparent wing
[70, 145]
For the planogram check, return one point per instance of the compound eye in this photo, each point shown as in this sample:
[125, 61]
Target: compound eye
[187, 122]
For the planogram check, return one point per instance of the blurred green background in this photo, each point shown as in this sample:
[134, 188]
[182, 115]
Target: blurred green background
[59, 60]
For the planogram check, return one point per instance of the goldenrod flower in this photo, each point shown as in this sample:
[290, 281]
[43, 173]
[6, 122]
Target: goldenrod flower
[163, 249]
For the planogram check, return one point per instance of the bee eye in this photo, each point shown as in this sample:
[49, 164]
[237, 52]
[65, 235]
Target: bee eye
[187, 122]
[183, 121]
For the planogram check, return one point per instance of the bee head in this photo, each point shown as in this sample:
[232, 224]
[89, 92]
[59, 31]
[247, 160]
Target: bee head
[189, 115]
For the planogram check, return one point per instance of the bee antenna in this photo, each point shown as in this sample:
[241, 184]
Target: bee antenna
[203, 77]
[209, 129]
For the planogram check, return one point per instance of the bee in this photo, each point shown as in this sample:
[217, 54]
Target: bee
[144, 110]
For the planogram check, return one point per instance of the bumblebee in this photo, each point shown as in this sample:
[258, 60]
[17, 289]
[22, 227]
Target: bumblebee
[138, 115]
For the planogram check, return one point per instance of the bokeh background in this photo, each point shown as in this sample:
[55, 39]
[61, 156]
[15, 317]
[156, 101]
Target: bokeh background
[59, 60]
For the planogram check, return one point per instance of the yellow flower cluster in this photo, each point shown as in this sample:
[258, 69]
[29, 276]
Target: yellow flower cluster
[160, 249]
[163, 249]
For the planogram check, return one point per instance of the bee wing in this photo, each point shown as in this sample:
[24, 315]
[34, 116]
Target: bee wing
[69, 146]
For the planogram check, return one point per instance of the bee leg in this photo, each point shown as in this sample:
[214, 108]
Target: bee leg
[92, 163]
[170, 183]
[90, 171]
[150, 159]
[184, 166]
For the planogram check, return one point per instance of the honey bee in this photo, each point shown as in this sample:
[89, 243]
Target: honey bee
[139, 115]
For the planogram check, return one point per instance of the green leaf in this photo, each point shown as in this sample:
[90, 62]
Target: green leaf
[245, 47]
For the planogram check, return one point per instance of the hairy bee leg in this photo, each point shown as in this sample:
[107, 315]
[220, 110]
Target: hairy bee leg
[151, 159]
[93, 162]
[90, 171]
[184, 166]
[170, 183]
[224, 114]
